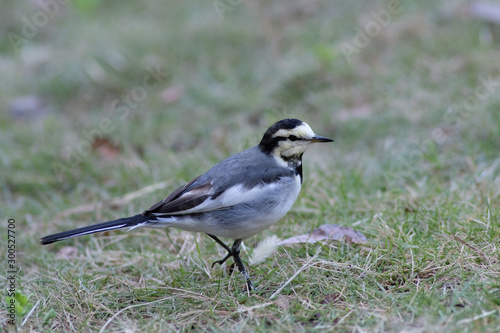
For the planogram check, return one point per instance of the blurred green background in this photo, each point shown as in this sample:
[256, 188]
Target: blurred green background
[99, 99]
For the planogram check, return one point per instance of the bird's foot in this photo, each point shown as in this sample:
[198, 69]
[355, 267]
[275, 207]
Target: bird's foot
[223, 260]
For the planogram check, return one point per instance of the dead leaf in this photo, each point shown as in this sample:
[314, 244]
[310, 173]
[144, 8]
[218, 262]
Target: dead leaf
[67, 252]
[489, 12]
[283, 303]
[328, 232]
[29, 107]
[172, 94]
[105, 148]
[331, 298]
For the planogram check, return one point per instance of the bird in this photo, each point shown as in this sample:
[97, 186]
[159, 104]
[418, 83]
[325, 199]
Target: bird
[237, 198]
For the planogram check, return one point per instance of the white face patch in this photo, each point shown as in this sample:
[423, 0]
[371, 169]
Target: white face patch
[302, 131]
[287, 148]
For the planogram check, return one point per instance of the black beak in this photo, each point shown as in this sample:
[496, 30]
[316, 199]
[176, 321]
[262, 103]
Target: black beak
[318, 138]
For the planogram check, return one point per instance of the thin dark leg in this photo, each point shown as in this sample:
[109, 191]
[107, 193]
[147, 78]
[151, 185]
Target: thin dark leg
[229, 252]
[234, 252]
[236, 257]
[221, 243]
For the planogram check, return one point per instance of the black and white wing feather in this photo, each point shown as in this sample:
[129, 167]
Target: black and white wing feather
[236, 180]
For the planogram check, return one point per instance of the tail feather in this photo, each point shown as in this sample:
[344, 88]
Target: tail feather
[125, 222]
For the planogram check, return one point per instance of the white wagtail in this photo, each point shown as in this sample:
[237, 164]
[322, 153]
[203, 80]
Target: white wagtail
[237, 198]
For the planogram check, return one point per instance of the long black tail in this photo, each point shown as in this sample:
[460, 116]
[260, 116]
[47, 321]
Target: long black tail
[125, 222]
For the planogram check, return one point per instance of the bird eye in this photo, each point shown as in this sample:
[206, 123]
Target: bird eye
[293, 138]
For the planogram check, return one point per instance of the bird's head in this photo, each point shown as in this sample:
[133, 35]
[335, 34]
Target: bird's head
[288, 138]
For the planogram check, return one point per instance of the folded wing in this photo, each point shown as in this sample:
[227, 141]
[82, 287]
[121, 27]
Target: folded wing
[202, 198]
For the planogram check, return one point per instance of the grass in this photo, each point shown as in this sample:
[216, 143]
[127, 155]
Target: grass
[412, 167]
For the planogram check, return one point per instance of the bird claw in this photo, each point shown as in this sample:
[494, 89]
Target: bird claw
[235, 253]
[220, 262]
[223, 260]
[251, 287]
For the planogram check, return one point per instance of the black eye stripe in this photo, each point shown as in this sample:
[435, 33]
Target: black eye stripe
[285, 138]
